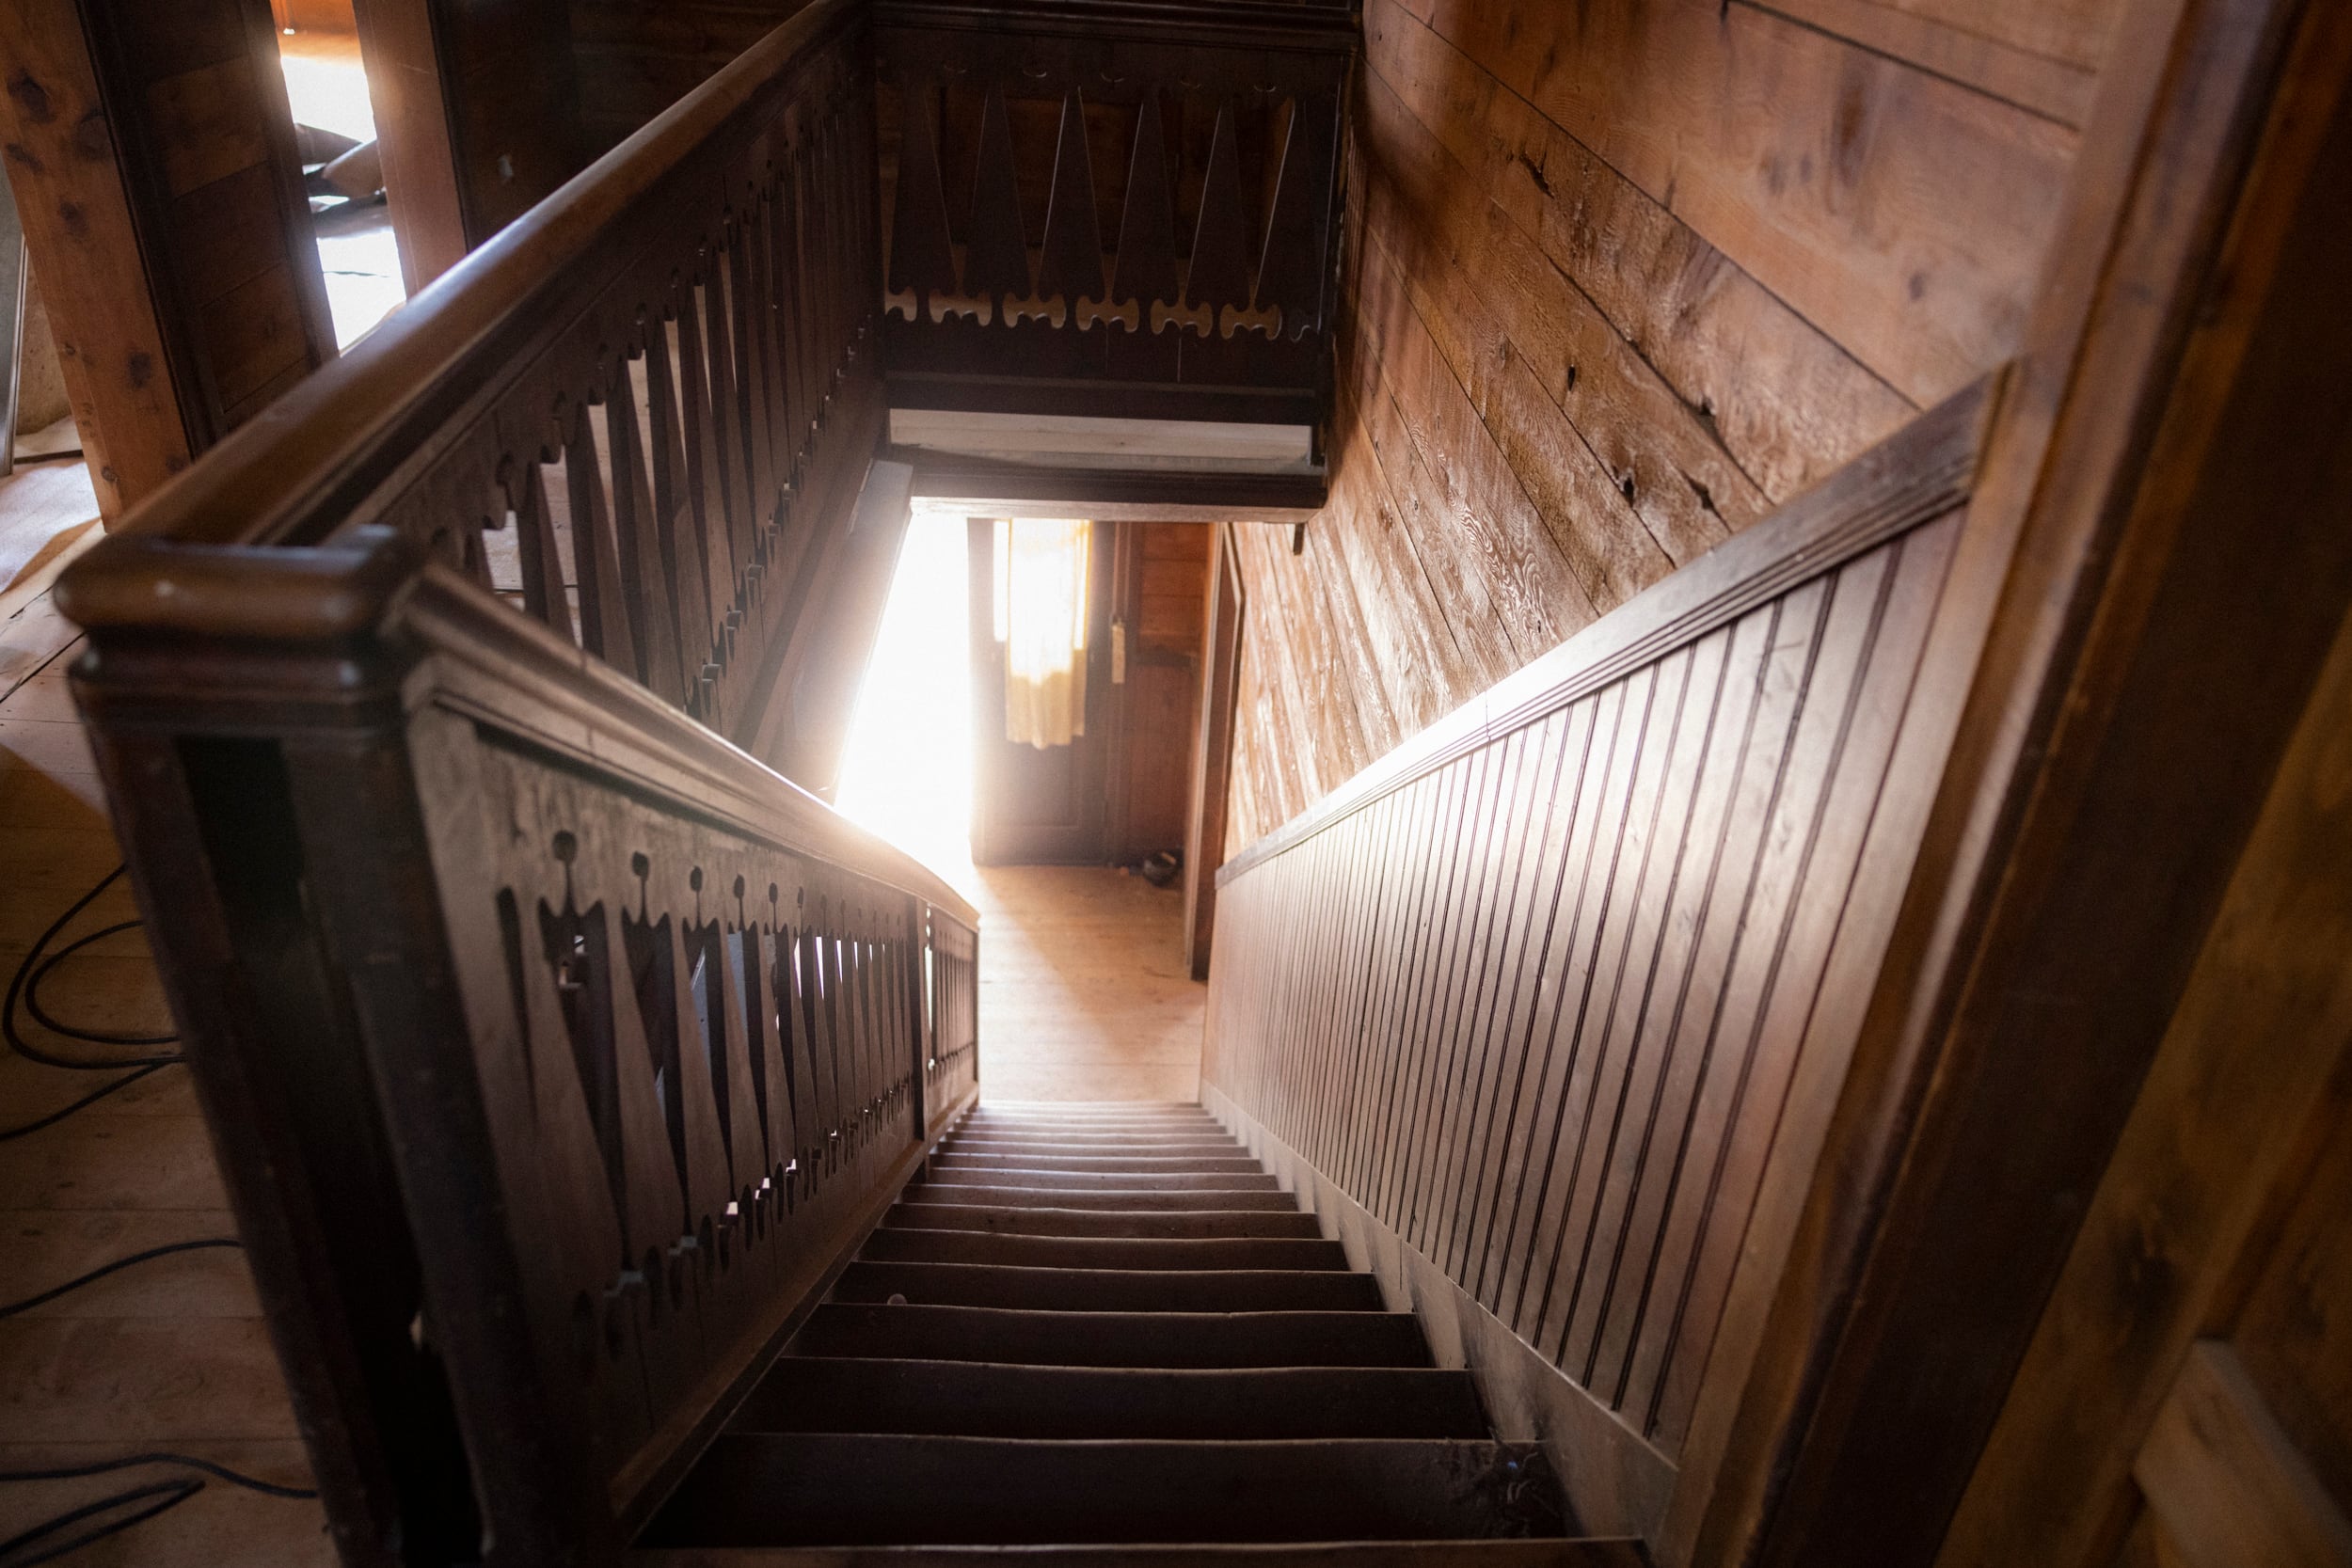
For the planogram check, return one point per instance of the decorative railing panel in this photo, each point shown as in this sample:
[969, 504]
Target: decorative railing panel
[1533, 991]
[557, 1050]
[647, 1037]
[641, 413]
[1106, 208]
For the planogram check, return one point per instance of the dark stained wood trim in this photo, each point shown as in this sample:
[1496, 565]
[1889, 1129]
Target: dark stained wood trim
[2137, 610]
[2257, 1052]
[1920, 473]
[1212, 748]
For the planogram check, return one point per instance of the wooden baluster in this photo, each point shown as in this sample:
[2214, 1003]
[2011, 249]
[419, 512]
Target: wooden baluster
[815, 997]
[796, 1034]
[1218, 275]
[741, 1132]
[922, 252]
[544, 598]
[646, 575]
[750, 401]
[995, 252]
[654, 1211]
[1072, 262]
[784, 273]
[681, 528]
[726, 423]
[604, 624]
[1145, 273]
[1293, 267]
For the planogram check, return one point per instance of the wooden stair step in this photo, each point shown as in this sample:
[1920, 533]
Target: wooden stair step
[1114, 1338]
[1092, 1143]
[1120, 1199]
[1001, 1219]
[1141, 1163]
[1035, 1122]
[1068, 1290]
[972, 1398]
[1622, 1552]
[868, 1489]
[1079, 1181]
[1105, 1252]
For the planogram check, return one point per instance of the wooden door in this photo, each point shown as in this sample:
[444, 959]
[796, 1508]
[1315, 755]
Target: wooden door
[1033, 806]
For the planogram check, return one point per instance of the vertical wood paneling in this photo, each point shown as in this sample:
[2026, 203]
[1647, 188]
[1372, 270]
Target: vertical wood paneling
[1535, 1001]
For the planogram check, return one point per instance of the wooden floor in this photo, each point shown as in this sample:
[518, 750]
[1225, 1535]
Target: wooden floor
[1084, 994]
[169, 1354]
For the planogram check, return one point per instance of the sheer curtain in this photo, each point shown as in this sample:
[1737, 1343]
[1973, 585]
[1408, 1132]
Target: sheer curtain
[1041, 571]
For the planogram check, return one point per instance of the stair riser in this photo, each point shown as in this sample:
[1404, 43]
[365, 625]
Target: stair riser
[1079, 1181]
[1211, 1200]
[870, 1490]
[1178, 1146]
[1142, 1164]
[1109, 1289]
[1172, 1340]
[1000, 1221]
[1188, 1127]
[1090, 1252]
[973, 1400]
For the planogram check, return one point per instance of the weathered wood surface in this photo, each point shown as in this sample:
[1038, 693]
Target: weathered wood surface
[1619, 281]
[1532, 990]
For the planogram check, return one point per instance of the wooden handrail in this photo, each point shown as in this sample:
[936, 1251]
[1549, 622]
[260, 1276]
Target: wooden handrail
[327, 453]
[643, 410]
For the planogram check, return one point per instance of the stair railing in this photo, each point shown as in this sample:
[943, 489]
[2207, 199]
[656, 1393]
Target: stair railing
[556, 1050]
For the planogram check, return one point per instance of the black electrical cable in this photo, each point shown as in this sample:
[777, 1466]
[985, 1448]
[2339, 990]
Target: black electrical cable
[13, 1308]
[25, 986]
[156, 1496]
[172, 1493]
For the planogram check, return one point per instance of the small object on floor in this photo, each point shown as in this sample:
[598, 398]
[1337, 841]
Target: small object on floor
[1160, 868]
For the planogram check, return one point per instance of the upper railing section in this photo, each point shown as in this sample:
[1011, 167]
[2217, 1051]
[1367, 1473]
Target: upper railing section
[639, 412]
[1113, 207]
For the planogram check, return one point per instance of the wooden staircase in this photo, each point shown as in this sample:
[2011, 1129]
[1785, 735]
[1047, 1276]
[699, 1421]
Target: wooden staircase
[1105, 1326]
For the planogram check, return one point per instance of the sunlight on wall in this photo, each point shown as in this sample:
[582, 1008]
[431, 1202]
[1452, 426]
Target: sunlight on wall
[906, 772]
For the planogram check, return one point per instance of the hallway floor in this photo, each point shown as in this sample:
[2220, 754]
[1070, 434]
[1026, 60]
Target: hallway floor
[169, 1354]
[1084, 993]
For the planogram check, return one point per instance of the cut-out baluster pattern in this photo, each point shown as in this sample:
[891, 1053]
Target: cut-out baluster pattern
[1150, 213]
[686, 399]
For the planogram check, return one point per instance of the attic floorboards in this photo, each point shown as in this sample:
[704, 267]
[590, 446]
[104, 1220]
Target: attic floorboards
[169, 1354]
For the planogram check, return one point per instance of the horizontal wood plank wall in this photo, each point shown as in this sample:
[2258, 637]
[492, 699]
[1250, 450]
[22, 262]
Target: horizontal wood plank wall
[1531, 993]
[1620, 280]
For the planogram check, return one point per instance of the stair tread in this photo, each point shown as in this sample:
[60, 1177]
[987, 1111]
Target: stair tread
[1002, 1219]
[1105, 1252]
[985, 1399]
[1590, 1552]
[1039, 1337]
[1069, 1290]
[754, 1488]
[1163, 1199]
[1079, 1181]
